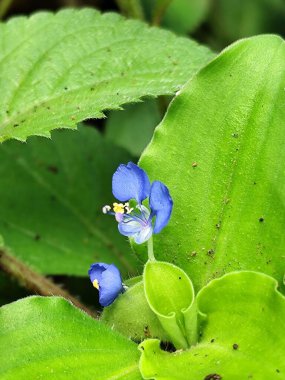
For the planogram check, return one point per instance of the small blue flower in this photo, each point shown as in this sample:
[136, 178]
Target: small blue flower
[131, 182]
[107, 279]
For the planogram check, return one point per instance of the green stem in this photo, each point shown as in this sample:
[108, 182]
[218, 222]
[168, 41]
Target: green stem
[159, 11]
[150, 249]
[35, 282]
[131, 8]
[4, 7]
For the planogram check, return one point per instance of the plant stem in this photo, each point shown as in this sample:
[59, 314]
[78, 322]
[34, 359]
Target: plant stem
[4, 7]
[35, 282]
[131, 8]
[159, 11]
[150, 249]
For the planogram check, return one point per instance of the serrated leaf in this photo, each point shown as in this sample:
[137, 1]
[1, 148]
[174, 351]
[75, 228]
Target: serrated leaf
[59, 69]
[51, 198]
[220, 150]
[241, 334]
[49, 338]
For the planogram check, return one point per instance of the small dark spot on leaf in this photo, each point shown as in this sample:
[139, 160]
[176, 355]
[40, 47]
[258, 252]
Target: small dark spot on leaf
[261, 219]
[210, 252]
[66, 88]
[235, 135]
[142, 348]
[53, 169]
[213, 376]
[212, 340]
[7, 112]
[37, 237]
[235, 346]
[146, 332]
[179, 278]
[277, 370]
[254, 183]
[16, 125]
[218, 225]
[92, 89]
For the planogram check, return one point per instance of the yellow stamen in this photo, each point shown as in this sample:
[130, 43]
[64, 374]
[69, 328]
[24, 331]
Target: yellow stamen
[96, 284]
[118, 208]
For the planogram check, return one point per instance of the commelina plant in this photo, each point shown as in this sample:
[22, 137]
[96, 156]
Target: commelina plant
[200, 295]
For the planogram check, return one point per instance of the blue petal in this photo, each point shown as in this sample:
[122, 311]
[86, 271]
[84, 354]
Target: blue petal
[110, 286]
[161, 205]
[96, 270]
[137, 225]
[129, 226]
[143, 235]
[130, 182]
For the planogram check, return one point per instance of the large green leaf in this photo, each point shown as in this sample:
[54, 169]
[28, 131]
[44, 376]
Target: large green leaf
[220, 149]
[57, 70]
[51, 198]
[48, 338]
[242, 334]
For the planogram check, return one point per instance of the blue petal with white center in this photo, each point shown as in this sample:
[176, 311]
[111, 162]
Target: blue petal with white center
[130, 182]
[137, 225]
[107, 279]
[138, 222]
[161, 205]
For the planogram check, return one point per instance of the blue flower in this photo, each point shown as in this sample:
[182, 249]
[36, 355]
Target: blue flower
[131, 182]
[107, 279]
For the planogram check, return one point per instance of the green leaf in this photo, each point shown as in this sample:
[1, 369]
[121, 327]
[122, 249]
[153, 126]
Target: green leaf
[51, 198]
[184, 16]
[242, 334]
[181, 16]
[133, 128]
[170, 295]
[59, 69]
[220, 150]
[235, 19]
[48, 338]
[132, 316]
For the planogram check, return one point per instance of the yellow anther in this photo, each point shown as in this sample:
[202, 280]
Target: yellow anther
[96, 284]
[118, 208]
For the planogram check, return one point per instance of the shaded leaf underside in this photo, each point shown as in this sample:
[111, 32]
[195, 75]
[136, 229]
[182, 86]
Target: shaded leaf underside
[51, 198]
